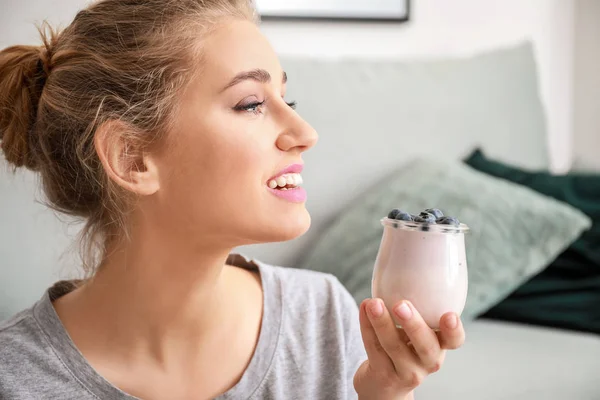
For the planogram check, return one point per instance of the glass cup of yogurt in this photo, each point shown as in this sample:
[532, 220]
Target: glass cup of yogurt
[422, 259]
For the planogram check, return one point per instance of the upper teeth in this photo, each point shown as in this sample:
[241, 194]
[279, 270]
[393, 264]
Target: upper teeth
[286, 180]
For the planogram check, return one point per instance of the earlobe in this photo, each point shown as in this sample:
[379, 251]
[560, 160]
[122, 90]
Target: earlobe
[124, 160]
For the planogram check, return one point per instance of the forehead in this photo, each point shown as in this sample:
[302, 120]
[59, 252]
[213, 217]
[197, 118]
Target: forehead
[235, 47]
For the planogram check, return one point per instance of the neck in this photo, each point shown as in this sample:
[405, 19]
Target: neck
[160, 298]
[163, 311]
[163, 284]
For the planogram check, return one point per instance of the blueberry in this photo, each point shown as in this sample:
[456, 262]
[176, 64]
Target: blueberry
[425, 217]
[448, 221]
[403, 216]
[435, 212]
[393, 213]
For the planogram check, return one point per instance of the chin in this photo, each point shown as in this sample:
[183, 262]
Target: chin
[299, 228]
[287, 228]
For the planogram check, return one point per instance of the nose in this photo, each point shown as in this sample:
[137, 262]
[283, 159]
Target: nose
[297, 134]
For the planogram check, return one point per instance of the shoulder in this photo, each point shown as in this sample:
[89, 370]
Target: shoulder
[16, 330]
[21, 342]
[307, 287]
[316, 301]
[30, 366]
[25, 348]
[320, 327]
[305, 278]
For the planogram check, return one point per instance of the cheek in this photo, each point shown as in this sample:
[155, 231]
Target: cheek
[234, 164]
[218, 167]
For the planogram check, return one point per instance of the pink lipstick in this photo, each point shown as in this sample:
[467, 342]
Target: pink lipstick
[286, 184]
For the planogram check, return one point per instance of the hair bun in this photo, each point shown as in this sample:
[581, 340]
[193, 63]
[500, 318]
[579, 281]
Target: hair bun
[24, 71]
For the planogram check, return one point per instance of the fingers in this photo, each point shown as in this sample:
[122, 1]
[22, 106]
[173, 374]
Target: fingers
[389, 337]
[387, 347]
[378, 357]
[452, 333]
[422, 337]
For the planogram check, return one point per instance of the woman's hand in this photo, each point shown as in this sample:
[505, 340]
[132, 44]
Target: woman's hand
[394, 367]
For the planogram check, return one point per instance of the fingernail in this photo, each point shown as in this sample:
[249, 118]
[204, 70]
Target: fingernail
[452, 321]
[376, 308]
[403, 311]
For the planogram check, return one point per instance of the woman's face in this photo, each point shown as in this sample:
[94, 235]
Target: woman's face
[235, 143]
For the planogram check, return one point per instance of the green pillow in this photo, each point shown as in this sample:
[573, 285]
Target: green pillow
[515, 232]
[567, 293]
[581, 191]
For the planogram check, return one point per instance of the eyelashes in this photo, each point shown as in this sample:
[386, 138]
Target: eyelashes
[253, 107]
[256, 106]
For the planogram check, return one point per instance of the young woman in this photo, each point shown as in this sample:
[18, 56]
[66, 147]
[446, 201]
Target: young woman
[163, 124]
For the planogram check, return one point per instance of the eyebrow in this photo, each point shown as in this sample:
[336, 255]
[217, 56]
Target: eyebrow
[259, 75]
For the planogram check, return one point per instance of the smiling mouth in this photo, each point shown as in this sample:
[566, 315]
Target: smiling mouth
[285, 182]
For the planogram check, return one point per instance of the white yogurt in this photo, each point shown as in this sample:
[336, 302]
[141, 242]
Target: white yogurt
[428, 268]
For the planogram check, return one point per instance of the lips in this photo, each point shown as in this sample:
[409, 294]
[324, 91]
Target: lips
[296, 195]
[290, 169]
[287, 178]
[286, 184]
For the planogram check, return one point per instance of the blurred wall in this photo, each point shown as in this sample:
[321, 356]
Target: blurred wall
[587, 85]
[461, 27]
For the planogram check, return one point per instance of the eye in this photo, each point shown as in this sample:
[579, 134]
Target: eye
[253, 107]
[292, 105]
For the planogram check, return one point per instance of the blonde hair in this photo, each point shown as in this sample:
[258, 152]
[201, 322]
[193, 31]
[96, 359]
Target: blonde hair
[125, 60]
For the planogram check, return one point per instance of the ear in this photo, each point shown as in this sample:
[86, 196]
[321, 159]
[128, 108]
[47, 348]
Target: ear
[123, 159]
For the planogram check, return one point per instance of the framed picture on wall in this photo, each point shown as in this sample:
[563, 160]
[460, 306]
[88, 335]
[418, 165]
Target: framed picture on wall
[365, 10]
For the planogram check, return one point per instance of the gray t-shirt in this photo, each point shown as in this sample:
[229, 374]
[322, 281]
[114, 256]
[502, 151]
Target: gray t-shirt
[309, 346]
